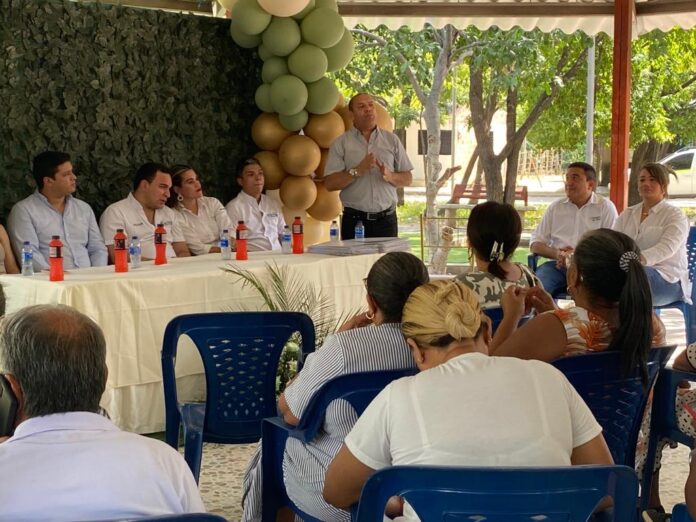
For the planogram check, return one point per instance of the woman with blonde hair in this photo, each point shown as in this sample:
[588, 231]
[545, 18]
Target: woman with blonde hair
[412, 420]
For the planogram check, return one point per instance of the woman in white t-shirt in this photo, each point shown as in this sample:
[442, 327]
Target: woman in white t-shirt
[413, 421]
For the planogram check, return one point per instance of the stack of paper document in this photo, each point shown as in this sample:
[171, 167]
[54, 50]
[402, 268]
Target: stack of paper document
[370, 245]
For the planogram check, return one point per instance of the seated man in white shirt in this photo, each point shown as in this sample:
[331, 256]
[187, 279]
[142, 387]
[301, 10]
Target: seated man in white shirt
[262, 215]
[566, 221]
[65, 461]
[143, 209]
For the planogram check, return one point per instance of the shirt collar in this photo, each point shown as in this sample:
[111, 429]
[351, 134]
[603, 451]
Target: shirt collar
[591, 201]
[375, 133]
[251, 199]
[45, 199]
[656, 208]
[74, 420]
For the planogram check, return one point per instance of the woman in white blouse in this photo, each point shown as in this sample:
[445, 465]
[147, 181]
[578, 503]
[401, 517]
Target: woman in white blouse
[203, 218]
[660, 231]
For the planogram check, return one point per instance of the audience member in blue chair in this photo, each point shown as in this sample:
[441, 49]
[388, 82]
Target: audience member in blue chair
[661, 231]
[565, 222]
[464, 408]
[613, 307]
[65, 461]
[493, 232]
[371, 341]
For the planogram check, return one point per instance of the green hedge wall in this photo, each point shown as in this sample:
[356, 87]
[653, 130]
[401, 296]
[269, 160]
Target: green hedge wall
[116, 87]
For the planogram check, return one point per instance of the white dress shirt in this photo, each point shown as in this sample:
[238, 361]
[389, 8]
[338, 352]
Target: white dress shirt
[564, 223]
[79, 466]
[661, 238]
[202, 231]
[263, 219]
[129, 215]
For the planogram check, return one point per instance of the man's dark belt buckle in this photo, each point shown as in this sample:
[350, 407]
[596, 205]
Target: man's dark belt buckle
[373, 216]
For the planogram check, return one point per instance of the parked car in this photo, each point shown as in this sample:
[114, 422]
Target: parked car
[683, 163]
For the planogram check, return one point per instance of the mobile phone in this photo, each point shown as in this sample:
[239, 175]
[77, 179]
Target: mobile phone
[8, 408]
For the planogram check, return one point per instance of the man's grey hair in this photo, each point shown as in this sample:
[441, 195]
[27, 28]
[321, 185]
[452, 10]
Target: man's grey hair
[58, 355]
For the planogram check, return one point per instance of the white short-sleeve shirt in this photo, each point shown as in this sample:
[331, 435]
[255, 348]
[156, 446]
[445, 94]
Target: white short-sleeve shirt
[508, 412]
[79, 466]
[661, 238]
[129, 215]
[264, 219]
[564, 223]
[202, 231]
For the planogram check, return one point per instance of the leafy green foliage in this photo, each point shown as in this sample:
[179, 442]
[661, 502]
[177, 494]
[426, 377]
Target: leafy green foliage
[116, 87]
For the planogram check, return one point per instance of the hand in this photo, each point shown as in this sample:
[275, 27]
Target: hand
[387, 173]
[366, 164]
[562, 256]
[512, 301]
[540, 300]
[358, 321]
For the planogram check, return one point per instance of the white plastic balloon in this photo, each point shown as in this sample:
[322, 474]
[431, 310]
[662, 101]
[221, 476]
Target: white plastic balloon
[283, 7]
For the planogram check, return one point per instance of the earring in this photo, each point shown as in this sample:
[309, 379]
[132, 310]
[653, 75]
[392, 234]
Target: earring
[179, 198]
[370, 315]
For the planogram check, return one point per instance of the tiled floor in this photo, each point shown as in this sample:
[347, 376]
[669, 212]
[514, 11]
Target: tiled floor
[223, 466]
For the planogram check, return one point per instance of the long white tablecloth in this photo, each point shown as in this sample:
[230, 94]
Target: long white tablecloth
[134, 308]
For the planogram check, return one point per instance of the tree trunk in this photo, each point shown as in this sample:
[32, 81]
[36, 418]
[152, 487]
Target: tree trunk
[513, 159]
[401, 134]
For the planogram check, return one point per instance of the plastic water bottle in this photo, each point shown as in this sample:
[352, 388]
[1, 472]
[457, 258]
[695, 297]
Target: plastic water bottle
[225, 249]
[55, 259]
[286, 243]
[359, 231]
[333, 231]
[134, 251]
[27, 259]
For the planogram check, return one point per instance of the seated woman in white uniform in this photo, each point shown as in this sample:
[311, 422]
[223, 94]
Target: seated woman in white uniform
[202, 218]
[261, 215]
[509, 412]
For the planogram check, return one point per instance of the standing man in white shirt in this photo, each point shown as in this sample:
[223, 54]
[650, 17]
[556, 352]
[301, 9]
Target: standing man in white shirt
[52, 210]
[143, 209]
[67, 461]
[367, 164]
[566, 221]
[262, 215]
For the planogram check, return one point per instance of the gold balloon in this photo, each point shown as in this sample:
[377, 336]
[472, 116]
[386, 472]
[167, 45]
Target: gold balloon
[324, 128]
[298, 192]
[384, 121]
[319, 172]
[273, 172]
[299, 155]
[327, 205]
[346, 116]
[267, 132]
[315, 231]
[341, 101]
[289, 215]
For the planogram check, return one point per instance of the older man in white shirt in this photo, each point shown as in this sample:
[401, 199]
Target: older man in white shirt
[262, 215]
[566, 221]
[141, 212]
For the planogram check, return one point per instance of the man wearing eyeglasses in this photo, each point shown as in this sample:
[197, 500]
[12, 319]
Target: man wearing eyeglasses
[367, 164]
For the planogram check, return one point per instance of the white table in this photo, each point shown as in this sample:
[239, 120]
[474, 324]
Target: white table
[133, 309]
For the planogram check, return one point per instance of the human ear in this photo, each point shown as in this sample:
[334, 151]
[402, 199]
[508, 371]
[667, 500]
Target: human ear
[416, 352]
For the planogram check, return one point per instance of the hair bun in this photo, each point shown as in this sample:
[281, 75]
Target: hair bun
[462, 320]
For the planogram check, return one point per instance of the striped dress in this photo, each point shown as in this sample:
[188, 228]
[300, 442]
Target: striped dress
[370, 348]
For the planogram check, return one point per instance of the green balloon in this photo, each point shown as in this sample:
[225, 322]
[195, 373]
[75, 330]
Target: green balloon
[329, 4]
[288, 95]
[264, 53]
[305, 11]
[308, 63]
[272, 68]
[322, 27]
[252, 19]
[340, 54]
[282, 36]
[262, 97]
[294, 122]
[241, 38]
[322, 96]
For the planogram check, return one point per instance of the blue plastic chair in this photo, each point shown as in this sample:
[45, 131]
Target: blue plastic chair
[187, 517]
[681, 514]
[663, 423]
[496, 315]
[240, 353]
[617, 402]
[568, 494]
[687, 309]
[359, 389]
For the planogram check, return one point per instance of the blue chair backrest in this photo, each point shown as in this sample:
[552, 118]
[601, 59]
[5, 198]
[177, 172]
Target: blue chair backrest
[680, 513]
[186, 517]
[617, 401]
[240, 353]
[568, 494]
[691, 252]
[359, 389]
[496, 315]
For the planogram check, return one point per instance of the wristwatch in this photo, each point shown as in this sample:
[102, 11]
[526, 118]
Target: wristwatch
[353, 173]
